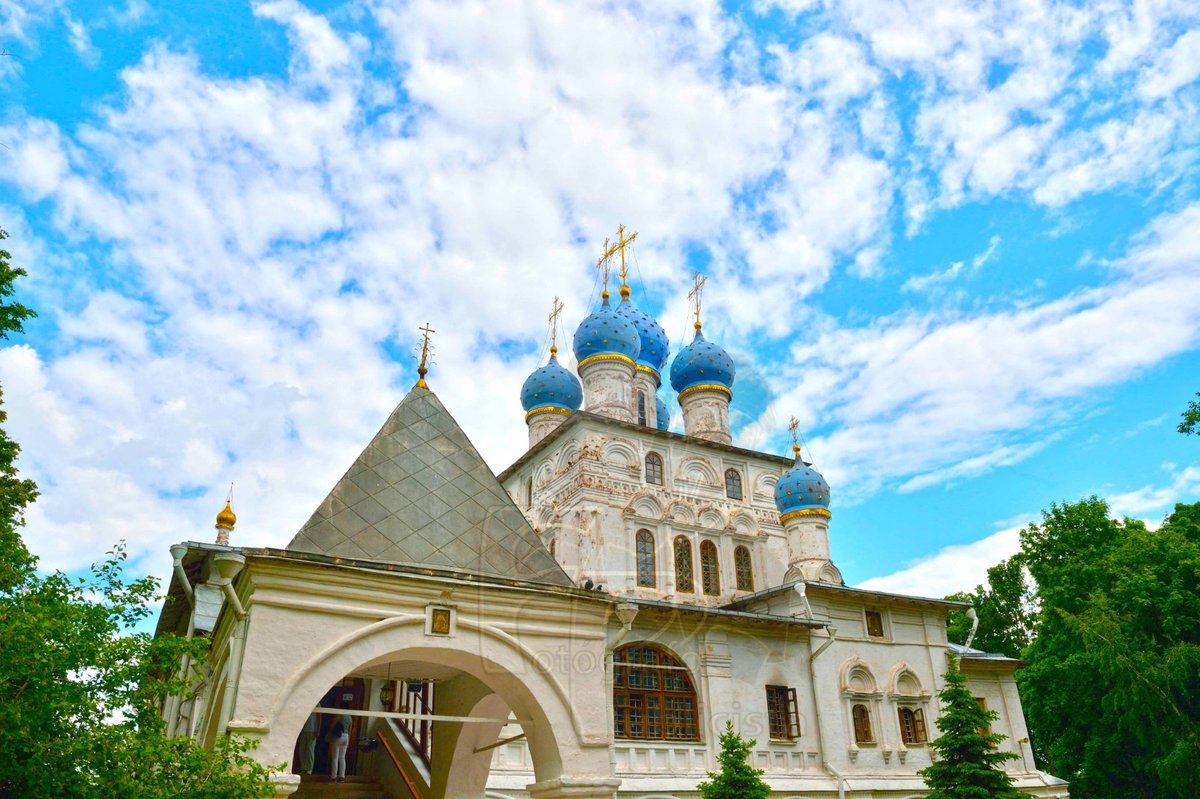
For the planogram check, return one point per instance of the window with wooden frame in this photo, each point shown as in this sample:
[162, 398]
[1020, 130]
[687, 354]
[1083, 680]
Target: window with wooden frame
[733, 484]
[684, 581]
[645, 558]
[862, 724]
[987, 728]
[653, 696]
[710, 568]
[654, 468]
[743, 570]
[912, 725]
[874, 624]
[783, 715]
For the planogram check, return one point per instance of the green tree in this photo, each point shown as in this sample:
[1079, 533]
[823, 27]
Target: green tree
[737, 779]
[1006, 608]
[15, 493]
[1112, 689]
[1191, 418]
[79, 694]
[966, 763]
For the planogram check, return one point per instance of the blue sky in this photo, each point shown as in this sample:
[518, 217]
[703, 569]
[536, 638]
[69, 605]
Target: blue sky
[960, 242]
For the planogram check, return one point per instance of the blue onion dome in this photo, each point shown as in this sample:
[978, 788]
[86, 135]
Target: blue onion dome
[606, 336]
[551, 388]
[702, 364]
[664, 415]
[801, 491]
[653, 338]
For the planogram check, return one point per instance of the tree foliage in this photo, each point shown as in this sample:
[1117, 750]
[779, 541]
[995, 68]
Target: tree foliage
[737, 779]
[966, 762]
[79, 693]
[16, 493]
[1191, 418]
[1006, 608]
[1112, 690]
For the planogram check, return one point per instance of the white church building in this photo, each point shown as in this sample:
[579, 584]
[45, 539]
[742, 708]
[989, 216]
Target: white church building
[585, 623]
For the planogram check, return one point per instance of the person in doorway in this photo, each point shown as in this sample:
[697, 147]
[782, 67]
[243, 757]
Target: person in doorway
[339, 742]
[308, 742]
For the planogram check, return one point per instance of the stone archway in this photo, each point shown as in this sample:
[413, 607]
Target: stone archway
[564, 762]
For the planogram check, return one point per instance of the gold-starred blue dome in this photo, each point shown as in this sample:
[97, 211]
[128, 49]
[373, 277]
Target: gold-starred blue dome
[604, 334]
[664, 415]
[651, 336]
[801, 490]
[702, 363]
[552, 387]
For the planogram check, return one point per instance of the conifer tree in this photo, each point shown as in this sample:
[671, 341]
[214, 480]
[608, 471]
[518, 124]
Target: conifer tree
[737, 778]
[967, 764]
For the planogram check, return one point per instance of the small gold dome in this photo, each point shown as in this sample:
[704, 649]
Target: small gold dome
[226, 518]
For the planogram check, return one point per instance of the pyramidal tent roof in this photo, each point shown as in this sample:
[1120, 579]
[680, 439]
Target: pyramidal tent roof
[421, 494]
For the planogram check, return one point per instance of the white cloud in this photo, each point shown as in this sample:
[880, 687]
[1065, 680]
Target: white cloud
[1177, 67]
[961, 567]
[18, 18]
[955, 568]
[926, 398]
[1183, 487]
[951, 273]
[81, 41]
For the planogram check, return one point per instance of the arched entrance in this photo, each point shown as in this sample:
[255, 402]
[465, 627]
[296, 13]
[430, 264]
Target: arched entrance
[482, 671]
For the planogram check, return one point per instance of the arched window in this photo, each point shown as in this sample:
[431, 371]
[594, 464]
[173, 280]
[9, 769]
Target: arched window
[733, 484]
[743, 569]
[654, 468]
[645, 558]
[641, 403]
[710, 572]
[653, 696]
[683, 566]
[528, 493]
[862, 724]
[552, 542]
[912, 725]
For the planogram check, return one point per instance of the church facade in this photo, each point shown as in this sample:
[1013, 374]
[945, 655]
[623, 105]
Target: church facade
[583, 624]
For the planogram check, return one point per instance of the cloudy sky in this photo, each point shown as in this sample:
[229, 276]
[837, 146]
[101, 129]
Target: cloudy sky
[959, 241]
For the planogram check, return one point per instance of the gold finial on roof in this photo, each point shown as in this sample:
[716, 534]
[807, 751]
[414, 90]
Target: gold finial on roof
[694, 296]
[619, 246]
[421, 368]
[794, 425]
[226, 519]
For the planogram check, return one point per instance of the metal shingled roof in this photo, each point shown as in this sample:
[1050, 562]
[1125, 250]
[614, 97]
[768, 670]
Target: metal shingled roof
[421, 494]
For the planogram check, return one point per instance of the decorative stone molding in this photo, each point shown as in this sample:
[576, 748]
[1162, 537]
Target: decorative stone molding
[566, 787]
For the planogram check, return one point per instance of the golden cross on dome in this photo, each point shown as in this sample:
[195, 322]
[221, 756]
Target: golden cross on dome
[603, 264]
[421, 369]
[621, 243]
[555, 310]
[794, 425]
[694, 295]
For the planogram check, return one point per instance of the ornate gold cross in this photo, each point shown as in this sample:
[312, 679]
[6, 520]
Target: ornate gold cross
[421, 369]
[555, 310]
[602, 263]
[694, 295]
[794, 425]
[621, 243]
